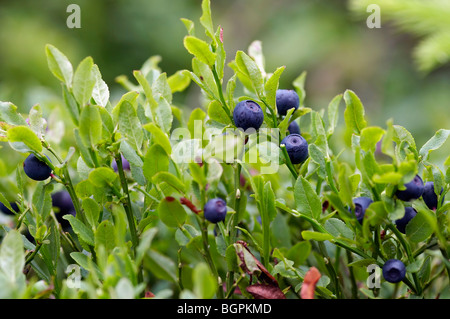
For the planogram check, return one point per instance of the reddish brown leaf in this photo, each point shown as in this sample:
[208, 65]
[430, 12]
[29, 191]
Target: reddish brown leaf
[190, 205]
[309, 283]
[264, 291]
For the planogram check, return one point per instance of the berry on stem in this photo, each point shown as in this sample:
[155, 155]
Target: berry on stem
[294, 128]
[36, 169]
[215, 210]
[63, 202]
[394, 270]
[361, 204]
[414, 189]
[429, 195]
[401, 223]
[6, 210]
[296, 147]
[248, 114]
[286, 99]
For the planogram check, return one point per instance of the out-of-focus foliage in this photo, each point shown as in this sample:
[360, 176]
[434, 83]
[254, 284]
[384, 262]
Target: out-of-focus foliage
[323, 38]
[428, 20]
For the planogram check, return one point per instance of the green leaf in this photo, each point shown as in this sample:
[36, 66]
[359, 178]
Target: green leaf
[159, 137]
[102, 177]
[130, 126]
[59, 65]
[338, 228]
[170, 179]
[19, 136]
[105, 236]
[299, 85]
[171, 212]
[200, 49]
[434, 143]
[90, 126]
[271, 87]
[206, 19]
[354, 113]
[333, 113]
[217, 113]
[155, 161]
[178, 81]
[100, 93]
[81, 229]
[160, 266]
[311, 235]
[370, 137]
[250, 69]
[190, 26]
[9, 114]
[205, 285]
[306, 199]
[91, 210]
[12, 256]
[422, 225]
[84, 81]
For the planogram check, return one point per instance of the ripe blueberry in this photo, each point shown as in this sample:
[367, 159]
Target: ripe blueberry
[429, 196]
[286, 99]
[401, 223]
[6, 210]
[125, 164]
[36, 169]
[414, 190]
[248, 114]
[215, 210]
[361, 204]
[294, 128]
[63, 202]
[394, 270]
[296, 147]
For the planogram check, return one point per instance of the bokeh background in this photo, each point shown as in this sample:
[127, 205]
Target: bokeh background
[399, 71]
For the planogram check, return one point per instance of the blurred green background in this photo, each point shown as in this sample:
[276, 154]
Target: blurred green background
[328, 39]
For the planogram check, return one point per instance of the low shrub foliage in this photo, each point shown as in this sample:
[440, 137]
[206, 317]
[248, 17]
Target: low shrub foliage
[140, 199]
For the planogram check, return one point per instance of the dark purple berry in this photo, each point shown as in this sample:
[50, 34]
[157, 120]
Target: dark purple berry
[429, 195]
[401, 223]
[248, 115]
[394, 270]
[215, 210]
[286, 99]
[414, 189]
[361, 204]
[63, 202]
[5, 210]
[294, 128]
[125, 164]
[296, 147]
[36, 169]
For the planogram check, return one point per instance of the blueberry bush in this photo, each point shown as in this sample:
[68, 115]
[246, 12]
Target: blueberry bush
[252, 194]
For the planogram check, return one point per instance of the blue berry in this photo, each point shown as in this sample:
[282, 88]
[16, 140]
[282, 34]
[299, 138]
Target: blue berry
[286, 99]
[125, 164]
[294, 128]
[429, 196]
[63, 202]
[248, 114]
[296, 147]
[401, 223]
[394, 270]
[215, 210]
[414, 189]
[5, 210]
[36, 169]
[361, 204]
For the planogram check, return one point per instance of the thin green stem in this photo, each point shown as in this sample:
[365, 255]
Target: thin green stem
[222, 98]
[33, 254]
[127, 204]
[288, 162]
